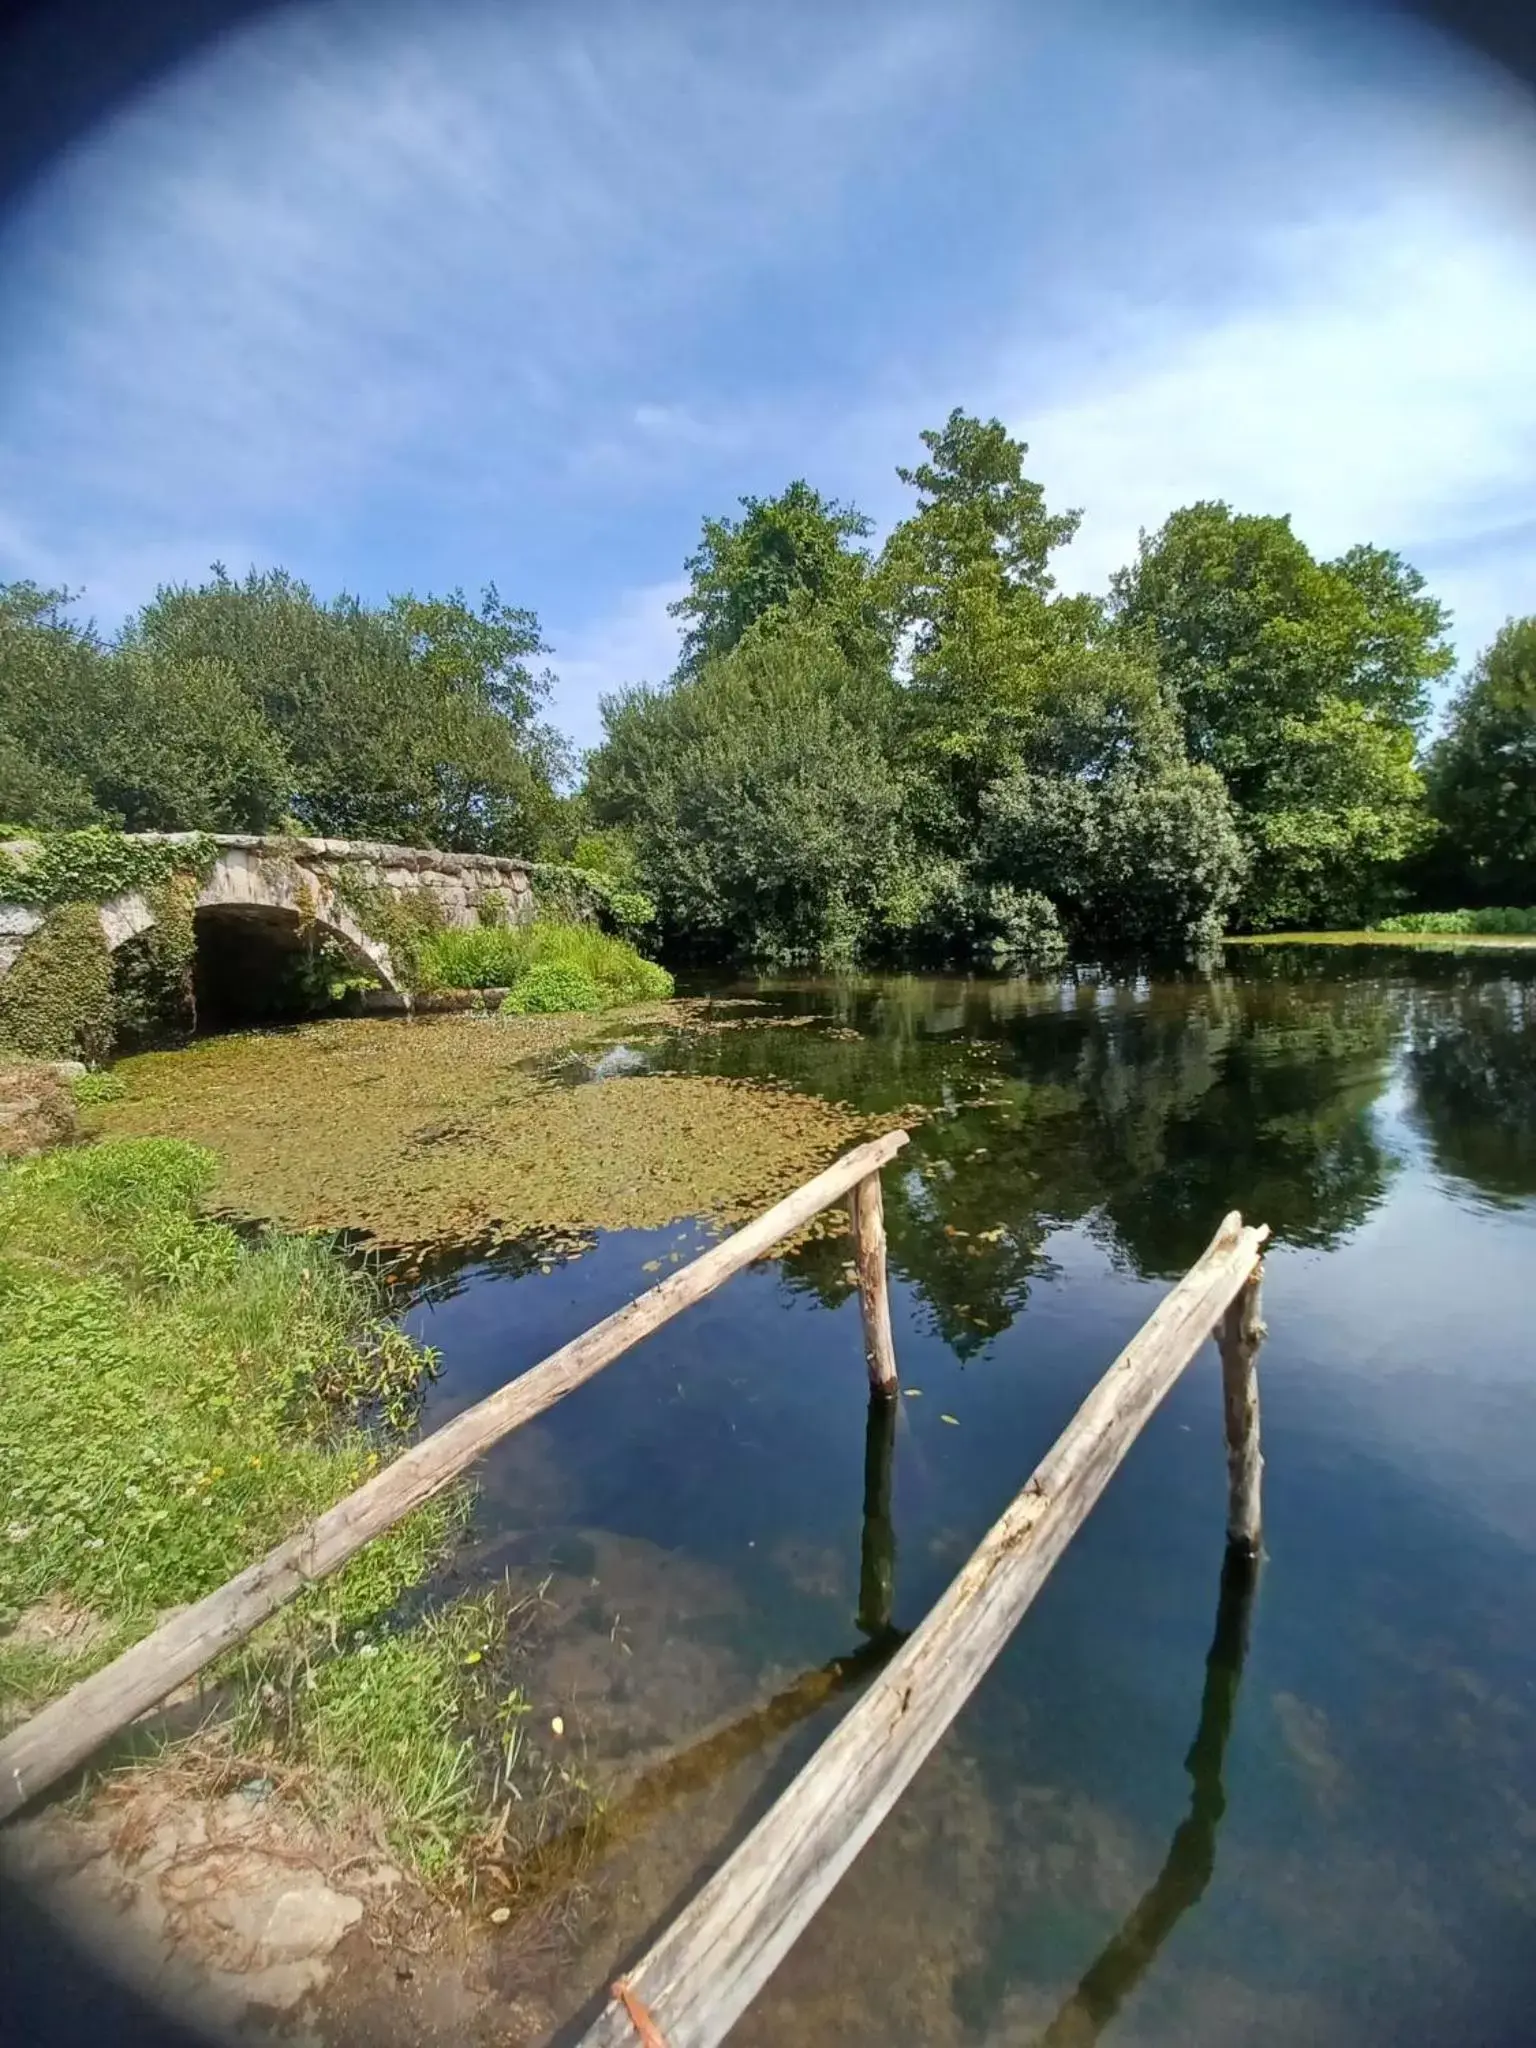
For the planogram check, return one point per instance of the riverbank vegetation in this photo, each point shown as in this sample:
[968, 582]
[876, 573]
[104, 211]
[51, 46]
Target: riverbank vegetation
[545, 966]
[178, 1398]
[925, 750]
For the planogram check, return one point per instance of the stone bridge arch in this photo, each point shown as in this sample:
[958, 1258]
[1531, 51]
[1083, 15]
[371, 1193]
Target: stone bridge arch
[285, 886]
[266, 891]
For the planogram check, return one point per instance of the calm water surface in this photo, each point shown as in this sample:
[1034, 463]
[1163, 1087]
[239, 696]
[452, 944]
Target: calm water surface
[1167, 1814]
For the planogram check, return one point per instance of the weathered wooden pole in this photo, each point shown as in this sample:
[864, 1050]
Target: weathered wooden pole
[868, 1214]
[1239, 1335]
[700, 1975]
[877, 1548]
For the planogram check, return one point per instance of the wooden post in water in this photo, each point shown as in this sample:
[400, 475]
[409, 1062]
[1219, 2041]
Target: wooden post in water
[877, 1548]
[1239, 1335]
[700, 1975]
[65, 1732]
[868, 1215]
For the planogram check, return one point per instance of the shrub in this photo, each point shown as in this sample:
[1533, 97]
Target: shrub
[552, 988]
[1025, 927]
[1482, 923]
[479, 956]
[56, 1002]
[761, 797]
[98, 1086]
[546, 966]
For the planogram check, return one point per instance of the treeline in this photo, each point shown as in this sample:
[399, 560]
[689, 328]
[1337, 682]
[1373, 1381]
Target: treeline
[253, 707]
[925, 750]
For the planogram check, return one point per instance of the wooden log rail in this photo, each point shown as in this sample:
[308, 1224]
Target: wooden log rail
[73, 1728]
[691, 1986]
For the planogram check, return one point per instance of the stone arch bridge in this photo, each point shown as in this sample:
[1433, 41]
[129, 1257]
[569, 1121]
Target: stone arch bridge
[282, 887]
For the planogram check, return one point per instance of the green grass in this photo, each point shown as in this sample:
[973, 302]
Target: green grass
[177, 1399]
[545, 966]
[1464, 923]
[99, 1085]
[1380, 936]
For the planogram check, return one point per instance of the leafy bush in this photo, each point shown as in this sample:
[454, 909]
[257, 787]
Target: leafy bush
[551, 988]
[56, 1002]
[1025, 926]
[1135, 859]
[1489, 923]
[762, 795]
[545, 965]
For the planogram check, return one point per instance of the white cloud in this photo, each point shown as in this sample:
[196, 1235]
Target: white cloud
[289, 273]
[1379, 389]
[635, 642]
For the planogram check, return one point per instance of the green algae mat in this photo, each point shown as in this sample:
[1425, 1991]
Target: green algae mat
[464, 1129]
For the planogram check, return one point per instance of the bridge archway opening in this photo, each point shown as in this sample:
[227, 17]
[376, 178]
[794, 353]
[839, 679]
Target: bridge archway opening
[261, 964]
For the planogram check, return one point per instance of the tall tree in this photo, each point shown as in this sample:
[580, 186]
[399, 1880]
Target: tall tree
[967, 582]
[417, 721]
[1304, 684]
[97, 733]
[798, 551]
[1482, 775]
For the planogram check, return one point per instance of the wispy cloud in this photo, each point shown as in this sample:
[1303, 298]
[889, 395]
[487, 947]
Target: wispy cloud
[1381, 390]
[634, 642]
[436, 291]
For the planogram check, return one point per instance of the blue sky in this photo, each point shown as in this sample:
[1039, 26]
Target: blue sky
[415, 295]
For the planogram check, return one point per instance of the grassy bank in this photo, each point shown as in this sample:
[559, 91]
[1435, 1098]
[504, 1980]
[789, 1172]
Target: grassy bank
[178, 1398]
[1441, 941]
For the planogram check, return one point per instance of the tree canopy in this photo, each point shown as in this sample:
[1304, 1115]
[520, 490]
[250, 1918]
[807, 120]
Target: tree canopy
[1305, 685]
[1482, 776]
[235, 706]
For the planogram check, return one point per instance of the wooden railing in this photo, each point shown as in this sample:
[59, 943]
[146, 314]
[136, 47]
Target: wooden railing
[695, 1981]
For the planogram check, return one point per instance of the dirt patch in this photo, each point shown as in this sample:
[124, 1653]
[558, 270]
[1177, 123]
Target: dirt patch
[58, 1626]
[452, 1130]
[36, 1109]
[226, 1908]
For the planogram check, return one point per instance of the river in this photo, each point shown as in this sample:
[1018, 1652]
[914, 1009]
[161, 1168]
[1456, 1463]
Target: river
[1314, 1820]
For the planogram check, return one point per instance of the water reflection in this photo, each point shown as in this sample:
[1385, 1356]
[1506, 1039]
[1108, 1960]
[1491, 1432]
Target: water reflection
[1191, 1860]
[1132, 1107]
[1067, 1120]
[1472, 1065]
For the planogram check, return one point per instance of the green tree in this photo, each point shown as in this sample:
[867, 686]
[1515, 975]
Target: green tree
[760, 796]
[181, 748]
[104, 733]
[1273, 659]
[797, 551]
[966, 582]
[1482, 775]
[416, 722]
[50, 696]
